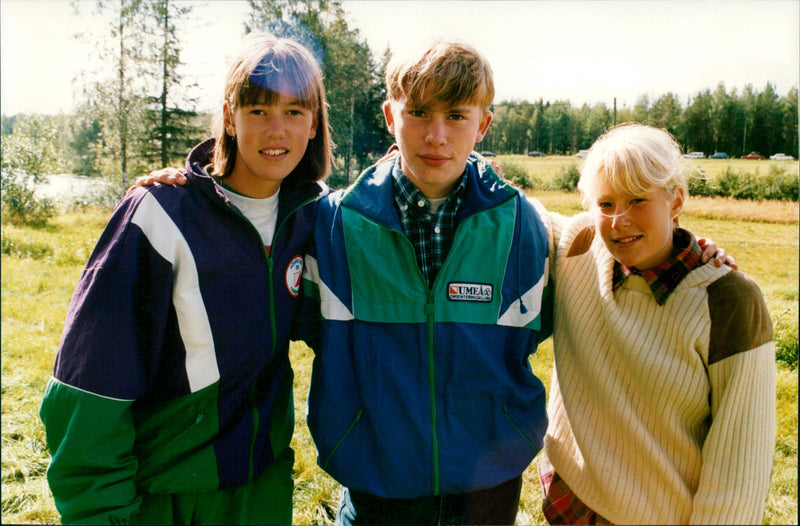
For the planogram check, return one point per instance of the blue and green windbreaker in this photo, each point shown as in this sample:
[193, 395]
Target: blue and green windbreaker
[419, 391]
[173, 372]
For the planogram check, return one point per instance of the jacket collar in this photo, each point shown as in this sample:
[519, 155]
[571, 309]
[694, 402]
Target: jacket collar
[196, 171]
[372, 196]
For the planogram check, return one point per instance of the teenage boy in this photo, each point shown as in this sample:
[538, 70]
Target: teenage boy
[432, 277]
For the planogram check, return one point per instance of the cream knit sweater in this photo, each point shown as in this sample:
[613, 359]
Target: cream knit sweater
[667, 415]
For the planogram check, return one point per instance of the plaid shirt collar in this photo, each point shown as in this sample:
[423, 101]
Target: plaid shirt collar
[409, 198]
[664, 278]
[431, 234]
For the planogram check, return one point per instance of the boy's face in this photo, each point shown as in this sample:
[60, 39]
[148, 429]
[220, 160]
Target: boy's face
[435, 141]
[637, 230]
[271, 140]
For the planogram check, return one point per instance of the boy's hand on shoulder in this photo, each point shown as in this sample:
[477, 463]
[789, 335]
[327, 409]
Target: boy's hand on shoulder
[170, 176]
[496, 167]
[720, 254]
[392, 152]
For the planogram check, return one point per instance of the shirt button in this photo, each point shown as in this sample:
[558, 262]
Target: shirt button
[420, 203]
[437, 230]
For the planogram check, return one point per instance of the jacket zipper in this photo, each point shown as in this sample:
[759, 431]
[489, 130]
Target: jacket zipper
[430, 316]
[270, 264]
[430, 312]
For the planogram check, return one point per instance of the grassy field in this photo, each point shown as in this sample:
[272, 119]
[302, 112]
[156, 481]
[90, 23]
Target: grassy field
[546, 168]
[40, 268]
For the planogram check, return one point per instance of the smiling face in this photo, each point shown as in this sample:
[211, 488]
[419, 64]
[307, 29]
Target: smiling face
[637, 229]
[271, 140]
[435, 141]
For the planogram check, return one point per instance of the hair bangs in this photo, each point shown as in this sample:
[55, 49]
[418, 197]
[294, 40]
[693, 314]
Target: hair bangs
[273, 77]
[448, 72]
[633, 159]
[628, 171]
[451, 83]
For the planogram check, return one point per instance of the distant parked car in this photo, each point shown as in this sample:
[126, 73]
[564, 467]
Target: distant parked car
[781, 157]
[694, 155]
[488, 154]
[535, 154]
[719, 155]
[582, 153]
[753, 155]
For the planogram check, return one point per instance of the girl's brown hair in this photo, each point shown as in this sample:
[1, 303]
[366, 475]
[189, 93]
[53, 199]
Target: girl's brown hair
[266, 68]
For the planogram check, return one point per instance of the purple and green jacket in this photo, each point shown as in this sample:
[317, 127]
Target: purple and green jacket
[173, 372]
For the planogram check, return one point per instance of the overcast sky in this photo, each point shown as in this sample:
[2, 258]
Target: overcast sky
[584, 52]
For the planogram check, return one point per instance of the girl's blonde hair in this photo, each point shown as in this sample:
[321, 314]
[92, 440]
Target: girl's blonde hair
[266, 68]
[633, 159]
[448, 71]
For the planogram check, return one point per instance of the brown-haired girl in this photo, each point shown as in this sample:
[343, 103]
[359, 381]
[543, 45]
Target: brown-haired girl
[171, 400]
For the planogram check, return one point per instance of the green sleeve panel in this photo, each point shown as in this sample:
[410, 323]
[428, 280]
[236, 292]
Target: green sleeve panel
[546, 317]
[93, 470]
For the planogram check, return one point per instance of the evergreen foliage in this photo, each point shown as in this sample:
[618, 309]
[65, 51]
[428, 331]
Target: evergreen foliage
[711, 122]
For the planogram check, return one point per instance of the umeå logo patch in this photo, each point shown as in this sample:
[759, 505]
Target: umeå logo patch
[294, 273]
[469, 292]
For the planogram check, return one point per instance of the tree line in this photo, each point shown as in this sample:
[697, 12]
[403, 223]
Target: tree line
[141, 113]
[720, 121]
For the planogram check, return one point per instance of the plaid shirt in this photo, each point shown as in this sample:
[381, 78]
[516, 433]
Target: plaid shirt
[431, 234]
[663, 279]
[559, 504]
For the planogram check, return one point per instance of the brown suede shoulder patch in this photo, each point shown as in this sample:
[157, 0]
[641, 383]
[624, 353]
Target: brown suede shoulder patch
[582, 242]
[739, 317]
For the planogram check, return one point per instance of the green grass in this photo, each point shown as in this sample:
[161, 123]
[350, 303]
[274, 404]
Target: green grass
[733, 177]
[547, 167]
[41, 266]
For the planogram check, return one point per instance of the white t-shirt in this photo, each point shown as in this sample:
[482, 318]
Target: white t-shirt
[435, 204]
[263, 213]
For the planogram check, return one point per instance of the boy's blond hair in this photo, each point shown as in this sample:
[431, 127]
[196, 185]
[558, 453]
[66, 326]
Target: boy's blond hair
[634, 159]
[448, 71]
